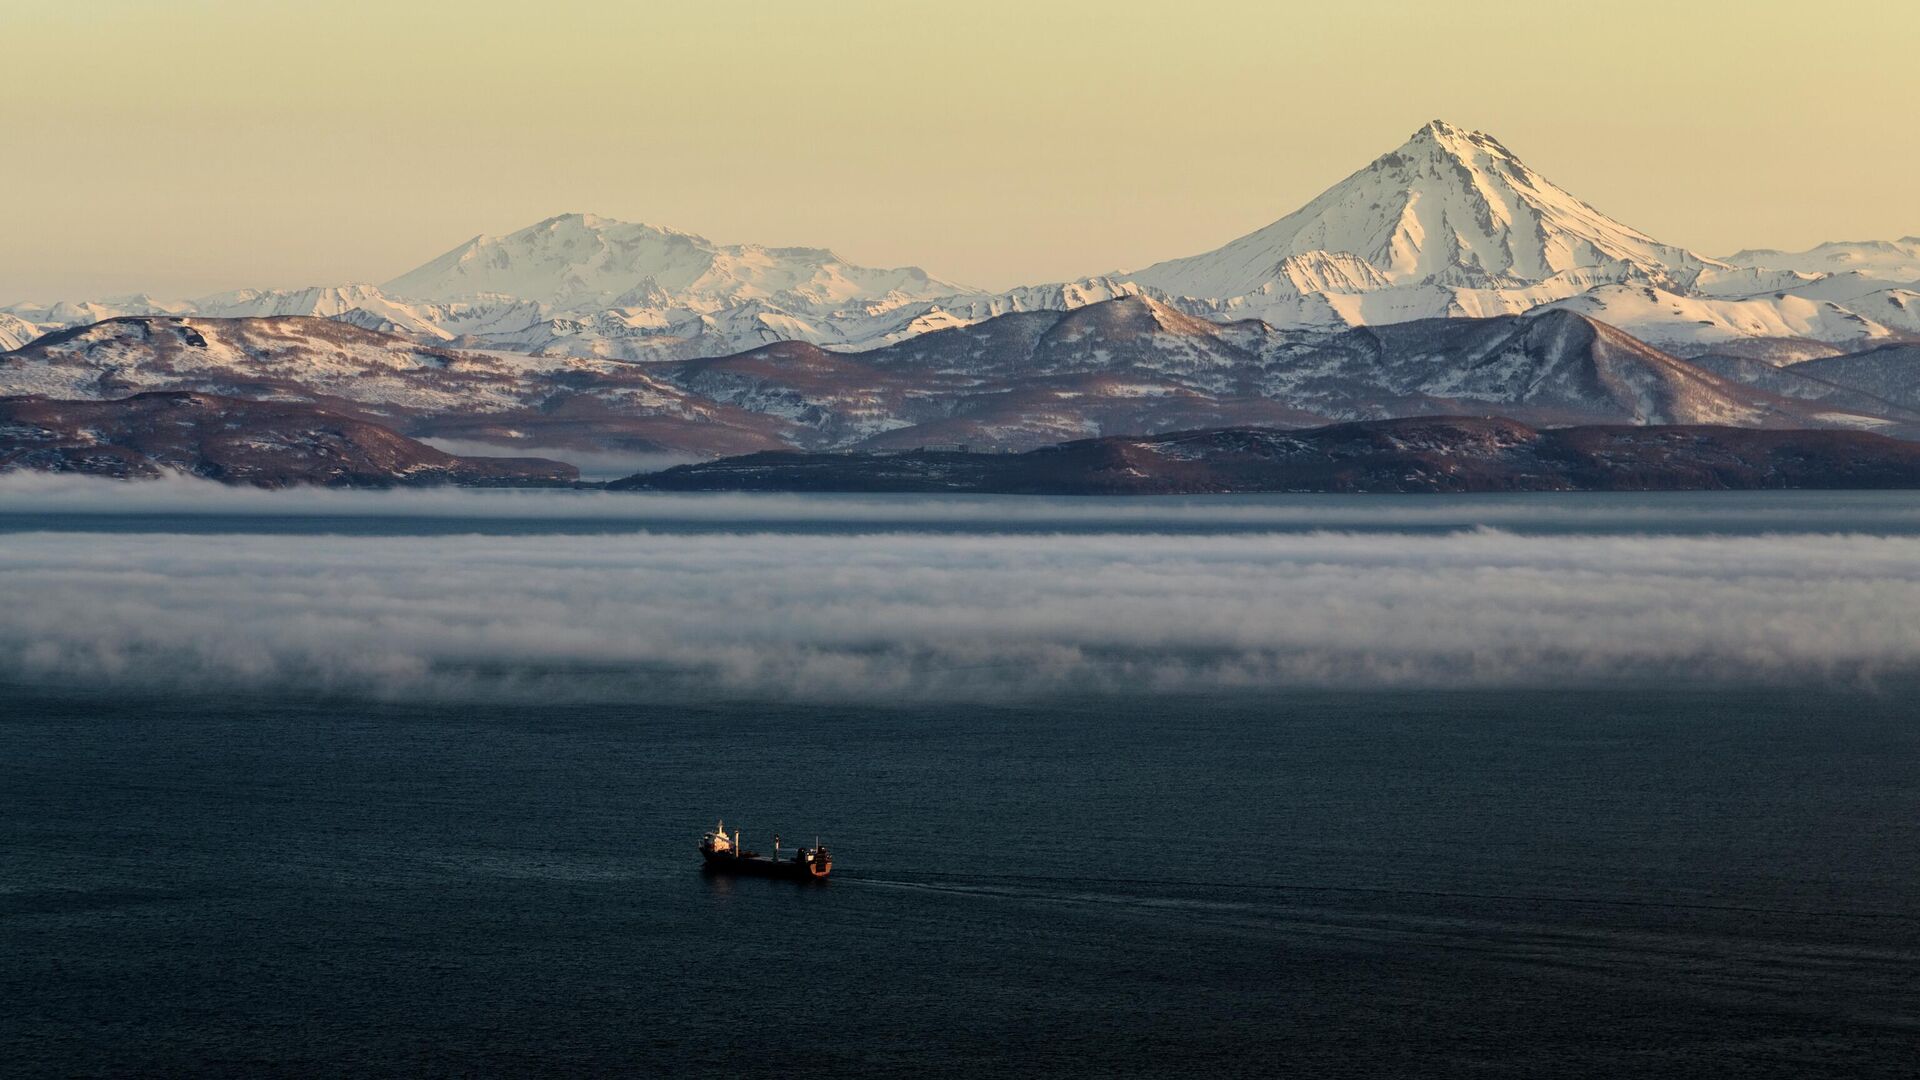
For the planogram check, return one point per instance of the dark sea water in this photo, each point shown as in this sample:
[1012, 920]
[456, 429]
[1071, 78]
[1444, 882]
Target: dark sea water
[1512, 881]
[1302, 884]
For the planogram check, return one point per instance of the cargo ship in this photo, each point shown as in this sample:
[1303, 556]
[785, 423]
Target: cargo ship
[723, 854]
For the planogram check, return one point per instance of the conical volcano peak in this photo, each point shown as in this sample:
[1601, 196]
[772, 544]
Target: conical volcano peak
[1450, 208]
[1455, 141]
[1439, 129]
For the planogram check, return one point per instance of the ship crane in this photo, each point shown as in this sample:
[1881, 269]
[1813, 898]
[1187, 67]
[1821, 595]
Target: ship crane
[722, 852]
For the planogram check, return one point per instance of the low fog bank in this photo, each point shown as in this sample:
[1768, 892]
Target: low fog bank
[41, 494]
[895, 616]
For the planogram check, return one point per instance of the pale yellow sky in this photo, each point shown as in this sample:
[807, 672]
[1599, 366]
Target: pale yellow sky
[189, 145]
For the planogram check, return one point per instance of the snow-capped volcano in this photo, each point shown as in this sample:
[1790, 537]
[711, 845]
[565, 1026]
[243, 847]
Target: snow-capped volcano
[1451, 207]
[1449, 225]
[580, 262]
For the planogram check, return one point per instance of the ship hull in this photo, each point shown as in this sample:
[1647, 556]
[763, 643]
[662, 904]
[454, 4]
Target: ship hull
[761, 866]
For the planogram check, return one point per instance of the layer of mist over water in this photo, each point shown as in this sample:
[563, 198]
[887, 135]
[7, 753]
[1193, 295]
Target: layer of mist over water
[592, 596]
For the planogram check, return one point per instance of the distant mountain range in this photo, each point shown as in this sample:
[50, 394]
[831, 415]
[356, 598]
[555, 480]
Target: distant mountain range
[1012, 382]
[422, 390]
[1446, 277]
[1450, 224]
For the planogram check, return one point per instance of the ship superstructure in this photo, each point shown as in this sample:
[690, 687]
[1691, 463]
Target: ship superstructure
[723, 853]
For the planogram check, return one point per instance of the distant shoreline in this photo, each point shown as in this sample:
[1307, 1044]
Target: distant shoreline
[276, 444]
[1430, 455]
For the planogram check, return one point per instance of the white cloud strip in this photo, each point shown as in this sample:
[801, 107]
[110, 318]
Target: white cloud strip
[896, 615]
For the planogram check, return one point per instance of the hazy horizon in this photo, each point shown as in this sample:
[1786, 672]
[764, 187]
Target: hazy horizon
[235, 145]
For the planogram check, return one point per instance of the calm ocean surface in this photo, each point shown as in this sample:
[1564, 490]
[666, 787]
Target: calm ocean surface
[278, 875]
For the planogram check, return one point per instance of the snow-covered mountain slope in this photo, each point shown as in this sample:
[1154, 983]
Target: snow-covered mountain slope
[1136, 365]
[1887, 260]
[15, 332]
[1019, 380]
[1845, 288]
[363, 305]
[53, 316]
[584, 286]
[419, 389]
[1733, 282]
[1449, 225]
[1673, 321]
[669, 332]
[579, 262]
[1453, 225]
[257, 357]
[1546, 367]
[1450, 207]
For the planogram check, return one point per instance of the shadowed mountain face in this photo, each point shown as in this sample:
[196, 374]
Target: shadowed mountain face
[1136, 366]
[1018, 381]
[1890, 373]
[1883, 381]
[1437, 454]
[1554, 367]
[259, 443]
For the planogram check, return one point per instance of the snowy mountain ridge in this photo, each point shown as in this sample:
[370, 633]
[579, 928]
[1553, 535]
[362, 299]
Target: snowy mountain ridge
[582, 262]
[1895, 260]
[1450, 224]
